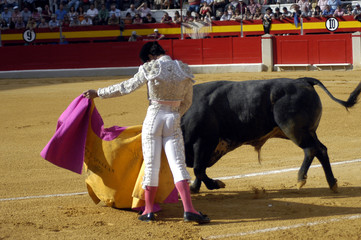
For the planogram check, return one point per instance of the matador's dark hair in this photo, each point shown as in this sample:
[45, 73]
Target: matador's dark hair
[152, 48]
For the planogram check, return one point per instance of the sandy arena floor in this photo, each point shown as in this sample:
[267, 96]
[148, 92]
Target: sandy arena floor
[41, 201]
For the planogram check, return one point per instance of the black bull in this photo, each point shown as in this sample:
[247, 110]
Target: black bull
[225, 115]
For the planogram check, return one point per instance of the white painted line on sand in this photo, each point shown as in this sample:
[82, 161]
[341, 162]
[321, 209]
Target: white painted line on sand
[43, 196]
[265, 230]
[282, 170]
[220, 178]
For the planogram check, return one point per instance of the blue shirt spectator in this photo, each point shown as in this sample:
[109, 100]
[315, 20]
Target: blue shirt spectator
[6, 15]
[60, 13]
[333, 4]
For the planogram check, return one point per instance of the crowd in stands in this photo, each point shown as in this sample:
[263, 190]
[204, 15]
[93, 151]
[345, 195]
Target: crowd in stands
[30, 14]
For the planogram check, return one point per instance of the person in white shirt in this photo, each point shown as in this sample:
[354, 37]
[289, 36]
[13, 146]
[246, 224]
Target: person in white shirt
[86, 21]
[92, 13]
[132, 10]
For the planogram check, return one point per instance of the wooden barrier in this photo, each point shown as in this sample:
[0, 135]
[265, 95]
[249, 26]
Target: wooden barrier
[333, 49]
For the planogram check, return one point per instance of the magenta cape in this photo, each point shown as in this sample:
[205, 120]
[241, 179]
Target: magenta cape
[112, 156]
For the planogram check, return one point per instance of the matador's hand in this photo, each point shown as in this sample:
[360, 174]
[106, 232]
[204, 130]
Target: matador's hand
[91, 93]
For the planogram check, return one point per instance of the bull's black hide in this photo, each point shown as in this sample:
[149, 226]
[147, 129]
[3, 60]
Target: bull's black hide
[225, 115]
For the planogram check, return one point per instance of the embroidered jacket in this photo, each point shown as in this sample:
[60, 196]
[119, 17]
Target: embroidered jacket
[167, 80]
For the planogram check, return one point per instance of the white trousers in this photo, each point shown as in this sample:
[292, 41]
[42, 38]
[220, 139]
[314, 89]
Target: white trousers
[161, 129]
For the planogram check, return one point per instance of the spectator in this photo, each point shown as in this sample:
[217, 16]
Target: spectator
[80, 13]
[43, 23]
[109, 3]
[158, 4]
[6, 15]
[236, 16]
[357, 12]
[242, 7]
[327, 12]
[66, 21]
[11, 3]
[92, 13]
[339, 12]
[19, 24]
[137, 19]
[306, 12]
[31, 24]
[156, 35]
[3, 24]
[143, 9]
[128, 18]
[134, 37]
[36, 15]
[322, 4]
[87, 21]
[333, 4]
[26, 15]
[252, 6]
[348, 10]
[86, 4]
[204, 9]
[53, 23]
[218, 15]
[72, 13]
[60, 13]
[286, 13]
[103, 15]
[115, 11]
[208, 18]
[277, 14]
[29, 4]
[75, 21]
[165, 4]
[177, 17]
[267, 20]
[258, 15]
[234, 4]
[132, 10]
[74, 3]
[46, 13]
[194, 5]
[230, 10]
[166, 18]
[113, 20]
[149, 19]
[15, 14]
[218, 5]
[317, 12]
[197, 17]
[188, 17]
[226, 16]
[247, 15]
[303, 5]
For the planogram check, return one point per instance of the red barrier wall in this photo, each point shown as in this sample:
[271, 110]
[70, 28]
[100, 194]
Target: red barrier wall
[313, 49]
[125, 54]
[310, 49]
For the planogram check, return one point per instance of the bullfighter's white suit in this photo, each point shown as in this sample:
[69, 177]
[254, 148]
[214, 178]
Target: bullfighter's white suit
[170, 91]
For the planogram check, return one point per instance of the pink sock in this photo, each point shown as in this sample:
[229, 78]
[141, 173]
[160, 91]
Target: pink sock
[185, 194]
[150, 193]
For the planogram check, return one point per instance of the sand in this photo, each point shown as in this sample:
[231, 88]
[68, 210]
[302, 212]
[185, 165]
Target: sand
[41, 201]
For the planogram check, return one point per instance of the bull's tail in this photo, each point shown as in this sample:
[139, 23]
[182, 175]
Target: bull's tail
[351, 101]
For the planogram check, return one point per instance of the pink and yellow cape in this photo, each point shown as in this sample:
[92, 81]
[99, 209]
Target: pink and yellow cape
[112, 157]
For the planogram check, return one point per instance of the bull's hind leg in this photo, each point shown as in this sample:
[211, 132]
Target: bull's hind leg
[312, 147]
[203, 150]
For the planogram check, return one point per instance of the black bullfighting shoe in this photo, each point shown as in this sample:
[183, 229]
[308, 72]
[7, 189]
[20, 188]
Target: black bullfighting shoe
[193, 217]
[149, 217]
